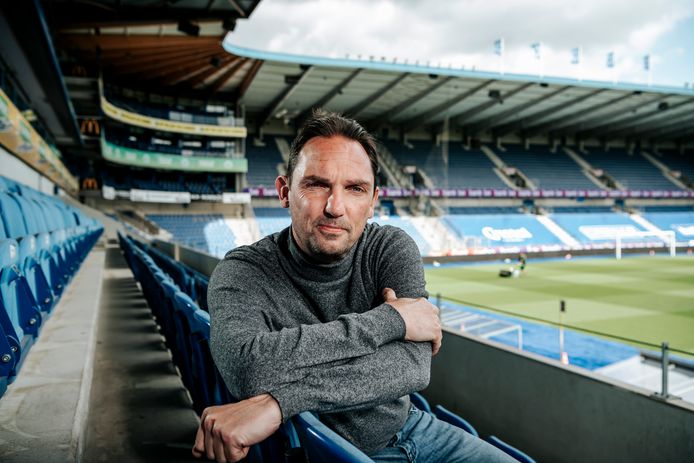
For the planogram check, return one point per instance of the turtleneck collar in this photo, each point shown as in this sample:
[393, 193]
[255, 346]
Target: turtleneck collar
[315, 271]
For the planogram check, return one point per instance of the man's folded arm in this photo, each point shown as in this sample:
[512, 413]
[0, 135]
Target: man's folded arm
[394, 370]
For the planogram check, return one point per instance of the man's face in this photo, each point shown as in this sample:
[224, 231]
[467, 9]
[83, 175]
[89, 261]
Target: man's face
[330, 198]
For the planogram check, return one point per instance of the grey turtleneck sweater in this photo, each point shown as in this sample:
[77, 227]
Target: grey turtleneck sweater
[320, 337]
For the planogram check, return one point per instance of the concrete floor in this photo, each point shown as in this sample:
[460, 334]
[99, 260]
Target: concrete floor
[139, 410]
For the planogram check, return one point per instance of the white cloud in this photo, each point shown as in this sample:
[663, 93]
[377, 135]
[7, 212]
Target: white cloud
[461, 32]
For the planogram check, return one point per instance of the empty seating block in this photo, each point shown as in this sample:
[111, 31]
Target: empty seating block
[271, 219]
[545, 169]
[597, 227]
[262, 163]
[633, 171]
[206, 232]
[501, 230]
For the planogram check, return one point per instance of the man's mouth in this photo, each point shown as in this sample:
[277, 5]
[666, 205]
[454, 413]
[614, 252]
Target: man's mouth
[330, 228]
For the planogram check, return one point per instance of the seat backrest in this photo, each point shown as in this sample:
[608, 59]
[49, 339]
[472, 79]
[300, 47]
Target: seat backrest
[420, 402]
[15, 227]
[510, 450]
[323, 444]
[451, 418]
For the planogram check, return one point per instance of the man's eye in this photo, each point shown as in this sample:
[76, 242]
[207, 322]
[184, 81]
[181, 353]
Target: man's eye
[357, 189]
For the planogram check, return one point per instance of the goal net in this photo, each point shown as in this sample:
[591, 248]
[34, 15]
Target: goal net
[663, 238]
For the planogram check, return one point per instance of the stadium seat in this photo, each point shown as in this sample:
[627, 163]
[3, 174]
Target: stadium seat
[323, 444]
[451, 418]
[510, 450]
[20, 316]
[420, 402]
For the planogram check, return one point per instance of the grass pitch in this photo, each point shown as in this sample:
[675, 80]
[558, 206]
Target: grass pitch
[648, 299]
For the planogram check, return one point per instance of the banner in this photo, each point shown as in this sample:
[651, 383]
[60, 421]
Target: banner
[167, 125]
[133, 157]
[20, 138]
[387, 192]
[152, 196]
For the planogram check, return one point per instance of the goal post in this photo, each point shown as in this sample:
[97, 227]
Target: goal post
[668, 236]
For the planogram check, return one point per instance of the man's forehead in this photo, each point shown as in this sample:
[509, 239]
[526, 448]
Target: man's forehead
[320, 151]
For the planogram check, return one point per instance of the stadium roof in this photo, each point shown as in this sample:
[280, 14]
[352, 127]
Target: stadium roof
[411, 96]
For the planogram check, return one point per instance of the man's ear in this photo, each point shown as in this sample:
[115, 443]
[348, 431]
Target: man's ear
[282, 186]
[373, 202]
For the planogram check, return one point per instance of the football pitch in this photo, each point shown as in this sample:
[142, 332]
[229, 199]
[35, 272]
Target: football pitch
[649, 299]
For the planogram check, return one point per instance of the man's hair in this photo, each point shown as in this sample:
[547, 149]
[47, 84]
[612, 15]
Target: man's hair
[322, 123]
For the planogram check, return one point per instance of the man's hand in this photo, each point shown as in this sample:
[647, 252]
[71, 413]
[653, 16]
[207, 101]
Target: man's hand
[421, 318]
[227, 432]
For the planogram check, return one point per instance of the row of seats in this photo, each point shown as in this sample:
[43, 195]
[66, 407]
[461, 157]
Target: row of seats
[449, 417]
[186, 330]
[43, 241]
[206, 232]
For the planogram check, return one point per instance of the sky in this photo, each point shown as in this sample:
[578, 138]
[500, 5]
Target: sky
[461, 34]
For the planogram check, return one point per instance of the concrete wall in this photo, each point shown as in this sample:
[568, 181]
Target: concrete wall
[557, 413]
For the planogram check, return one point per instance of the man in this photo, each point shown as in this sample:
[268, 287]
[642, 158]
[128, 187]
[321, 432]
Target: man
[329, 315]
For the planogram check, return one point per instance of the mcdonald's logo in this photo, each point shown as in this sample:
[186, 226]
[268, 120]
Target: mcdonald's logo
[90, 183]
[90, 127]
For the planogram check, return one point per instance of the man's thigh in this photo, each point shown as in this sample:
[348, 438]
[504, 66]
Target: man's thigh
[424, 438]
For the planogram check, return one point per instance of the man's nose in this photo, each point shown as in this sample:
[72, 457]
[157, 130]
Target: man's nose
[335, 207]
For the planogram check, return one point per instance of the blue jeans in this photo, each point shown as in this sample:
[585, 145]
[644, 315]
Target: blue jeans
[425, 438]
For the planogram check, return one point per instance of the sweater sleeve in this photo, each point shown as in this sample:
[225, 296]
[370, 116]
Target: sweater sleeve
[394, 370]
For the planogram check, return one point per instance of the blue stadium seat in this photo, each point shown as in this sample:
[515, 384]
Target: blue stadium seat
[510, 450]
[323, 444]
[20, 316]
[451, 418]
[420, 402]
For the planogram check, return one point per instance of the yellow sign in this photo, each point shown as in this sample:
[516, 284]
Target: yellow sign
[20, 138]
[167, 125]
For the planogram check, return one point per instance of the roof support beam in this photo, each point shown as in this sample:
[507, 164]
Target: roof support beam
[569, 128]
[491, 121]
[466, 115]
[664, 131]
[272, 108]
[417, 121]
[530, 131]
[222, 80]
[248, 79]
[391, 113]
[195, 79]
[609, 127]
[366, 102]
[157, 68]
[328, 96]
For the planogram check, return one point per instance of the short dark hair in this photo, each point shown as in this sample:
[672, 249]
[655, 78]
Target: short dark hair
[322, 123]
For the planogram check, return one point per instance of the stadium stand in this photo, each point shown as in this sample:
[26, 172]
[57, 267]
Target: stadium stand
[405, 224]
[207, 232]
[632, 171]
[465, 169]
[143, 103]
[170, 143]
[546, 169]
[43, 241]
[501, 230]
[597, 228]
[262, 163]
[677, 218]
[271, 219]
[680, 162]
